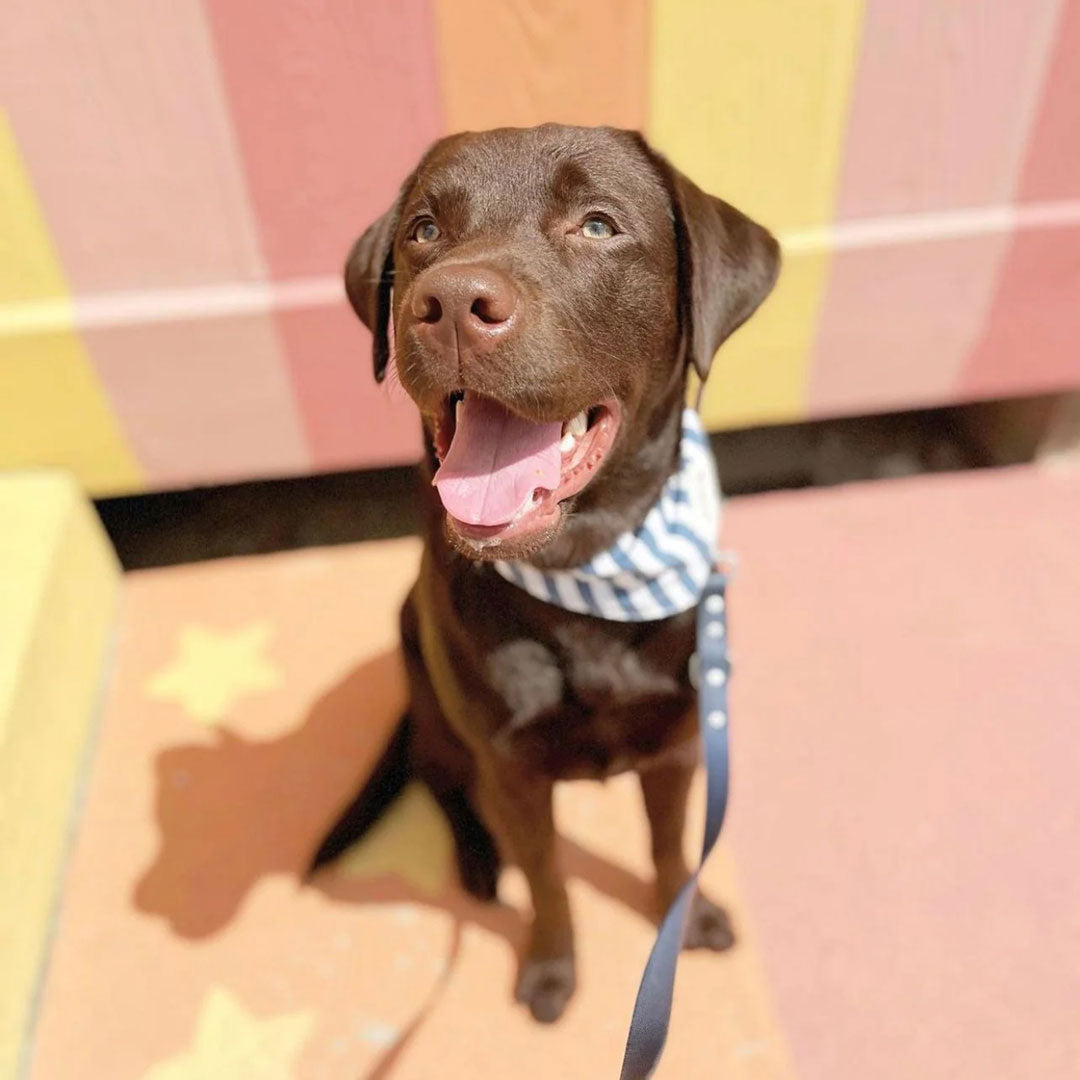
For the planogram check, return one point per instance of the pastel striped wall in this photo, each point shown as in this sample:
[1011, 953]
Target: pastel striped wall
[332, 104]
[751, 100]
[941, 110]
[179, 183]
[1030, 339]
[51, 406]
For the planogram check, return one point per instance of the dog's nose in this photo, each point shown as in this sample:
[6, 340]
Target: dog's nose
[464, 306]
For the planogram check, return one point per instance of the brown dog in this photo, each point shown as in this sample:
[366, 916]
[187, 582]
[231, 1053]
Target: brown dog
[560, 281]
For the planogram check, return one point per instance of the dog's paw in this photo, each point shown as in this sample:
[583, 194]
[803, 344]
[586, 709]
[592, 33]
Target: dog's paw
[708, 927]
[546, 986]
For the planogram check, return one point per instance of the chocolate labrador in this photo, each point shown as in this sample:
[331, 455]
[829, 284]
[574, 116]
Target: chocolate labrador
[542, 294]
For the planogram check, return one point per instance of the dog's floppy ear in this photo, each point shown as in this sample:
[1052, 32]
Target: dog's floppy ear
[728, 264]
[369, 279]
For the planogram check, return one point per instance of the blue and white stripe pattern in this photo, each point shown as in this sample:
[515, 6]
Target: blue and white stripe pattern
[658, 570]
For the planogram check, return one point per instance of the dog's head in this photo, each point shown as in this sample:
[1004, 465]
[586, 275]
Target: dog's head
[541, 293]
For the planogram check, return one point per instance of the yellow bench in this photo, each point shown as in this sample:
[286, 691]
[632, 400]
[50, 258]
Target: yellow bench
[58, 588]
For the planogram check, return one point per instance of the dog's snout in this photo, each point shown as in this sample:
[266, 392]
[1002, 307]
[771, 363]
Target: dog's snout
[474, 305]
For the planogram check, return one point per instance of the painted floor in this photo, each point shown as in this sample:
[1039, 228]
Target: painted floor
[901, 860]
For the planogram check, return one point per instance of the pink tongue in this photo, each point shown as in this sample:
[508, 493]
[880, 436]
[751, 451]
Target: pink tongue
[495, 460]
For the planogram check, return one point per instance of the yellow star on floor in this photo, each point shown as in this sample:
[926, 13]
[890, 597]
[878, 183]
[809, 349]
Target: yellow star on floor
[231, 1044]
[212, 669]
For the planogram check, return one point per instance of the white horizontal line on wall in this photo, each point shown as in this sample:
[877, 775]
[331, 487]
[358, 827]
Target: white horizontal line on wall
[137, 307]
[235, 298]
[942, 225]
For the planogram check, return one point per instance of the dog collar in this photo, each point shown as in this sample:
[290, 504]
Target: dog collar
[658, 569]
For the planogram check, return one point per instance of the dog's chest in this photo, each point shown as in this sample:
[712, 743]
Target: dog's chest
[589, 698]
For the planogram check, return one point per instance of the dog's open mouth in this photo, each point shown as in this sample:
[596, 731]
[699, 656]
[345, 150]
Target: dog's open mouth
[502, 476]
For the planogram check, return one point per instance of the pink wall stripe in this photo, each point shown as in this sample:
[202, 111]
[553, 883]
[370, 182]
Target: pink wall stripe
[121, 120]
[333, 102]
[945, 94]
[1052, 165]
[352, 421]
[1032, 339]
[1031, 343]
[899, 321]
[944, 98]
[203, 400]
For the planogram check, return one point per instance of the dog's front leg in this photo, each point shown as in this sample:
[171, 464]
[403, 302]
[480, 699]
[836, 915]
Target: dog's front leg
[666, 787]
[518, 807]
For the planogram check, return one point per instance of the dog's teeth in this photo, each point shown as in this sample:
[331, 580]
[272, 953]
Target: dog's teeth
[579, 425]
[457, 408]
[567, 443]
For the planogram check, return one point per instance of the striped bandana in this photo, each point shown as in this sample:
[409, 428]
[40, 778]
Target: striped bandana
[661, 567]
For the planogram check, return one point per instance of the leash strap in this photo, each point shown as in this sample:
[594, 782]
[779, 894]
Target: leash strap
[652, 1010]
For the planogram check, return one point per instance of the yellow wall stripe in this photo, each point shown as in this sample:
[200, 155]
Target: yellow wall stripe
[53, 410]
[751, 101]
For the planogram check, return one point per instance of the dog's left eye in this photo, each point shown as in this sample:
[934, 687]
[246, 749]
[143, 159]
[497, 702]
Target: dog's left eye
[425, 231]
[597, 228]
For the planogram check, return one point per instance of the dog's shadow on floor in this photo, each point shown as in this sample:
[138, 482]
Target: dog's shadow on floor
[233, 812]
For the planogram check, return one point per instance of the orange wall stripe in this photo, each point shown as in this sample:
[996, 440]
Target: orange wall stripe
[515, 63]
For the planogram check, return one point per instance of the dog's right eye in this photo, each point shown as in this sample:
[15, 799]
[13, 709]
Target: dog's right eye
[597, 228]
[425, 231]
